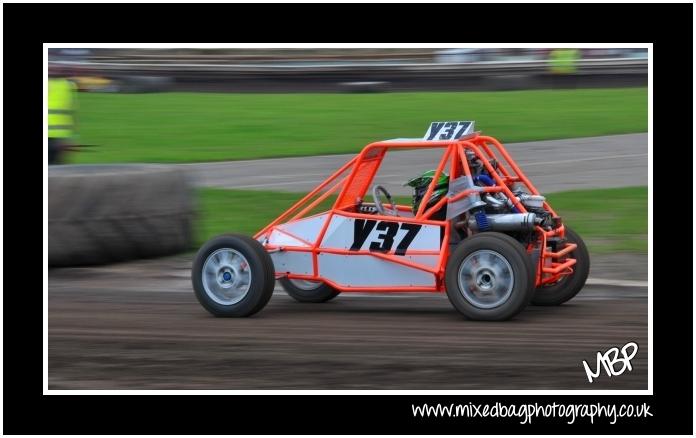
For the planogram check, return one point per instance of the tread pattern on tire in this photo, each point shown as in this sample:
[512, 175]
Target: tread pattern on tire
[322, 294]
[104, 214]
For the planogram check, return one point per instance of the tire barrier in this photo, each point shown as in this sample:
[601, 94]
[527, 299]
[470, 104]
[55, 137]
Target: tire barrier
[107, 213]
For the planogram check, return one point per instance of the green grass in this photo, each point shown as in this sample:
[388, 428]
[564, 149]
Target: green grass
[609, 220]
[239, 211]
[191, 127]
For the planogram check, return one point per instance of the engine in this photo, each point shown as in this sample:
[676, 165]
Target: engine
[495, 211]
[498, 213]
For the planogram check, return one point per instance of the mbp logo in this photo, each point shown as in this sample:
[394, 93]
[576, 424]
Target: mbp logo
[610, 358]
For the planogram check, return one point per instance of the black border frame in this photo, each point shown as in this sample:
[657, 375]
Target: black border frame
[27, 26]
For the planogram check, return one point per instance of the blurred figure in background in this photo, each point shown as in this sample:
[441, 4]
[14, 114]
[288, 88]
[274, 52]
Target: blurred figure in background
[564, 61]
[61, 112]
[563, 64]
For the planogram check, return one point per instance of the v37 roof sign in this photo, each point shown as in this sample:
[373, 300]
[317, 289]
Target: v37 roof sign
[448, 130]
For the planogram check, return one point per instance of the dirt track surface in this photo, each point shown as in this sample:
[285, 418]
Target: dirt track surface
[138, 326]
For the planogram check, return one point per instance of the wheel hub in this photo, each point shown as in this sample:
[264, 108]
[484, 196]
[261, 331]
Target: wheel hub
[486, 279]
[226, 276]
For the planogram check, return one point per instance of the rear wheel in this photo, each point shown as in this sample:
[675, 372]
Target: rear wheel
[565, 289]
[307, 291]
[490, 277]
[233, 275]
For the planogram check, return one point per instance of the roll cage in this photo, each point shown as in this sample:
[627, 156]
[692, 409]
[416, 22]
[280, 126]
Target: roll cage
[351, 183]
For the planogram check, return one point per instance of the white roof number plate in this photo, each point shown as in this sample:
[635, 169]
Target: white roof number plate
[439, 131]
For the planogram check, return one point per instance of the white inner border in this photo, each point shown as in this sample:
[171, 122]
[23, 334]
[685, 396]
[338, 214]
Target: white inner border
[648, 391]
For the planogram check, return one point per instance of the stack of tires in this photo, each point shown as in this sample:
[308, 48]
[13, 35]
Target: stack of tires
[108, 213]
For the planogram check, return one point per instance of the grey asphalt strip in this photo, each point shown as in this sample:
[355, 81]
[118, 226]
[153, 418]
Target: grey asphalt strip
[552, 166]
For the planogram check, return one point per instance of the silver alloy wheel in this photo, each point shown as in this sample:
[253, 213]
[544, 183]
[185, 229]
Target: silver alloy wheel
[486, 279]
[226, 276]
[305, 284]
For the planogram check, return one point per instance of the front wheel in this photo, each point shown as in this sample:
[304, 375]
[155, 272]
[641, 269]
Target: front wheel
[306, 291]
[490, 277]
[233, 276]
[569, 286]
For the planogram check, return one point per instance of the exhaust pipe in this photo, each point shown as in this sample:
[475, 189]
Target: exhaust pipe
[504, 222]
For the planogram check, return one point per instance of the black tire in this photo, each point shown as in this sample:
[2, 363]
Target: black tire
[501, 247]
[262, 277]
[109, 213]
[321, 294]
[564, 290]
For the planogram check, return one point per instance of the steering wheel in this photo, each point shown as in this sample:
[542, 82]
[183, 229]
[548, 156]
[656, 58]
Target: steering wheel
[378, 201]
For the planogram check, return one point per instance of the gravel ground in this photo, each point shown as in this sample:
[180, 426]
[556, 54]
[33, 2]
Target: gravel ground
[137, 325]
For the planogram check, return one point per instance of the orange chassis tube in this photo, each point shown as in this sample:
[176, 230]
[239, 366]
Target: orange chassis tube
[354, 178]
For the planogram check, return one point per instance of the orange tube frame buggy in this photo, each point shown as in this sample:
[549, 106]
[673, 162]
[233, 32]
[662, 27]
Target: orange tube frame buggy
[352, 181]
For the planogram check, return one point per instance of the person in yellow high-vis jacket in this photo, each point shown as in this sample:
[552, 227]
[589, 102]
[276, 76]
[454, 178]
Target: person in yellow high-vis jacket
[564, 61]
[61, 114]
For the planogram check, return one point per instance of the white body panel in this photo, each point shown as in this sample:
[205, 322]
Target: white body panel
[292, 262]
[306, 229]
[279, 238]
[426, 260]
[366, 270]
[358, 270]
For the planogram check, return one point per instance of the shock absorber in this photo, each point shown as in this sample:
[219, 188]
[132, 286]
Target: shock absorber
[480, 220]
